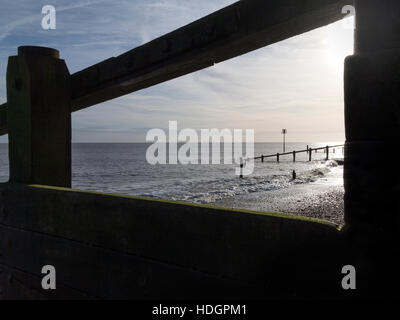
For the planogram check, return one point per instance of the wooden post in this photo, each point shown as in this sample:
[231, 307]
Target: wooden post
[294, 156]
[372, 90]
[39, 117]
[241, 168]
[327, 152]
[262, 158]
[277, 157]
[309, 155]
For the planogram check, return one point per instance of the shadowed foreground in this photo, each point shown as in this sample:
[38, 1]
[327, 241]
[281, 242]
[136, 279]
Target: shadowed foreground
[109, 246]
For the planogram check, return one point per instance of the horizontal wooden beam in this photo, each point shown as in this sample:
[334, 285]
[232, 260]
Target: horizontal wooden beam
[122, 247]
[242, 27]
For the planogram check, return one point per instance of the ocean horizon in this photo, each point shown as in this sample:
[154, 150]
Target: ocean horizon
[122, 168]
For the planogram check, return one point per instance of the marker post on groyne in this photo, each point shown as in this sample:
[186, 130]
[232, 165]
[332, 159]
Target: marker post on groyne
[284, 132]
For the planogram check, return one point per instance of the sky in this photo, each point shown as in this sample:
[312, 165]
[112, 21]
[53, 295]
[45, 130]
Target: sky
[295, 84]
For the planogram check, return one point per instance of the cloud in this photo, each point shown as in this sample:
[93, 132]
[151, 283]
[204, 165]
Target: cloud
[296, 83]
[6, 29]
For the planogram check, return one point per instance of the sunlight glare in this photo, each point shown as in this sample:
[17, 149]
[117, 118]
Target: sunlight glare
[339, 43]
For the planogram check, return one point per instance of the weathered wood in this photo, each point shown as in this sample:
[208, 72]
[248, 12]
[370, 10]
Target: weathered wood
[373, 33]
[296, 151]
[104, 273]
[3, 119]
[372, 113]
[242, 27]
[104, 244]
[156, 229]
[39, 117]
[18, 285]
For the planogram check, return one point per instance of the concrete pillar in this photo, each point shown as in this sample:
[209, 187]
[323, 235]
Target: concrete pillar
[39, 117]
[372, 118]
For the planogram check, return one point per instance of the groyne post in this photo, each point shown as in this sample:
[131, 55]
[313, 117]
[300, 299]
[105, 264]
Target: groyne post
[294, 156]
[309, 154]
[39, 117]
[277, 157]
[327, 153]
[372, 113]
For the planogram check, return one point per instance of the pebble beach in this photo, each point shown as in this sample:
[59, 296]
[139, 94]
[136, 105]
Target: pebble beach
[321, 199]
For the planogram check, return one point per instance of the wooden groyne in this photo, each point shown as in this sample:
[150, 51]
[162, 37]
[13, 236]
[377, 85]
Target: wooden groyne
[309, 151]
[117, 247]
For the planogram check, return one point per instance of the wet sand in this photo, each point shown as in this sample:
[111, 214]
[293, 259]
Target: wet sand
[322, 199]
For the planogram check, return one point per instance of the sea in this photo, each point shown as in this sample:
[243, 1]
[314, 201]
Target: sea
[122, 168]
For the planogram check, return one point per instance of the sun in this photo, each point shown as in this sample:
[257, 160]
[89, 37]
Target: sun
[339, 43]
